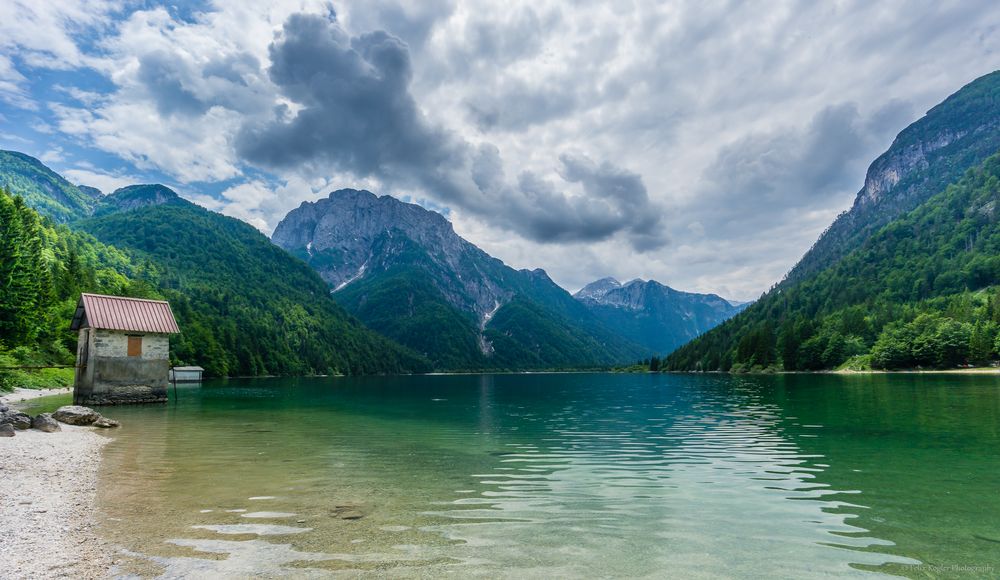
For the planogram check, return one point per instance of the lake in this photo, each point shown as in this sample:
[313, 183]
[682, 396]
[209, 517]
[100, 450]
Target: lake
[561, 475]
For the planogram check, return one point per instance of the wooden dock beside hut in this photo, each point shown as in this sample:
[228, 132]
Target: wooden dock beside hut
[123, 350]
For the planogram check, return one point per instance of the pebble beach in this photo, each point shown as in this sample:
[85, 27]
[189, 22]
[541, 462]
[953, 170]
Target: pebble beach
[48, 484]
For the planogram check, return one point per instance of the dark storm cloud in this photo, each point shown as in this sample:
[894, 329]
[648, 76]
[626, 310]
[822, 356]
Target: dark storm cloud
[625, 196]
[784, 168]
[177, 86]
[355, 113]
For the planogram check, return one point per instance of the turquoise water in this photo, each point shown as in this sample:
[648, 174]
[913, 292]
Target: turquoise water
[561, 475]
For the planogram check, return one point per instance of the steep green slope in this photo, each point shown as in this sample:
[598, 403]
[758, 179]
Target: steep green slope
[246, 307]
[543, 327]
[936, 150]
[405, 306]
[43, 189]
[917, 293]
[525, 334]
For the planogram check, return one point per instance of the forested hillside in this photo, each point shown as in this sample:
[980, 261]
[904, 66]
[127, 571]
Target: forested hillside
[927, 156]
[922, 291]
[245, 306]
[43, 269]
[43, 189]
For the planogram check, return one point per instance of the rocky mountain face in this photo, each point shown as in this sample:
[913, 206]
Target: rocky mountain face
[353, 234]
[405, 272]
[934, 151]
[654, 315]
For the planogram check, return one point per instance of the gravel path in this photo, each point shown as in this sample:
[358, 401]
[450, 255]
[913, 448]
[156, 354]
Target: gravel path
[47, 492]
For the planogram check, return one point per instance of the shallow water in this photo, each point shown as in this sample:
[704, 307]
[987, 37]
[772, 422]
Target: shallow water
[557, 475]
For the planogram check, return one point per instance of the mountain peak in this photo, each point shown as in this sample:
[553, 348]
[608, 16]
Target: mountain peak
[653, 314]
[341, 233]
[597, 289]
[145, 190]
[138, 196]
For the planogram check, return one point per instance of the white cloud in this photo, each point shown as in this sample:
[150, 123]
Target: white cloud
[106, 182]
[711, 104]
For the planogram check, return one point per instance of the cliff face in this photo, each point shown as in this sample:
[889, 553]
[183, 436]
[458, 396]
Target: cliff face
[353, 234]
[934, 151]
[887, 171]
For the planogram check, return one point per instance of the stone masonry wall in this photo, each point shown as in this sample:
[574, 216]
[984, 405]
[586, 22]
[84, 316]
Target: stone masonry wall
[110, 343]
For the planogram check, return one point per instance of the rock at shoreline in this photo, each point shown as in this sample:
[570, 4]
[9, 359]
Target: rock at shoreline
[46, 423]
[6, 430]
[15, 419]
[105, 423]
[76, 415]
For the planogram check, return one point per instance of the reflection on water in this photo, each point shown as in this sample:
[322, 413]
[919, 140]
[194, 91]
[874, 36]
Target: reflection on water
[559, 475]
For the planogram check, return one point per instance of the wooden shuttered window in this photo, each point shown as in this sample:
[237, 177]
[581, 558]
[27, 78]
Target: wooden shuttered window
[135, 346]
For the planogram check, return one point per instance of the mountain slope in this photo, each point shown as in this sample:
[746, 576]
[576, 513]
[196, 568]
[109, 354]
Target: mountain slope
[922, 291]
[404, 271]
[245, 306]
[931, 153]
[824, 312]
[653, 315]
[43, 189]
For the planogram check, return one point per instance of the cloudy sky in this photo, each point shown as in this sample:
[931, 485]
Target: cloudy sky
[702, 144]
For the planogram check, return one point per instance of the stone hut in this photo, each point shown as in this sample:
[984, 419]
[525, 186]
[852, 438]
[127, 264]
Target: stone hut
[123, 351]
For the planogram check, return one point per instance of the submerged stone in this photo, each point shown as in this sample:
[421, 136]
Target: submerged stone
[105, 423]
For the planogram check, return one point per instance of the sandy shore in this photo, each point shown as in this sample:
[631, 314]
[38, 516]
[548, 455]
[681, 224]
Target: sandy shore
[48, 485]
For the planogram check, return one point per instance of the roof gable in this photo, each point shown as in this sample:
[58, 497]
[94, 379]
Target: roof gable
[127, 314]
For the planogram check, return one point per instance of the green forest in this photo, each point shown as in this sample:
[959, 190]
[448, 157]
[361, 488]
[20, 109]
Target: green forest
[921, 292]
[244, 306]
[43, 269]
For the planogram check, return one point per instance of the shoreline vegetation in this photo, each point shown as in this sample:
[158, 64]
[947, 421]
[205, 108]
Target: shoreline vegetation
[48, 493]
[21, 394]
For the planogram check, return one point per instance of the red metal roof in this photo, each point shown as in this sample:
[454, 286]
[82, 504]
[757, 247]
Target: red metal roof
[129, 314]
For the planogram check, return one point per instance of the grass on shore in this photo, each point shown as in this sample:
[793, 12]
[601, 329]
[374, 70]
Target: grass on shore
[35, 379]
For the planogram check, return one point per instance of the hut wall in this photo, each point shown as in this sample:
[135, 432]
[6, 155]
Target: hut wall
[116, 378]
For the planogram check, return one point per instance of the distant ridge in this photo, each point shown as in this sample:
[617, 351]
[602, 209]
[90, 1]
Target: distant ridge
[654, 315]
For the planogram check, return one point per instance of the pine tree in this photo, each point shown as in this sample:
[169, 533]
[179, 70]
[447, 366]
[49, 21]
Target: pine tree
[981, 344]
[24, 276]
